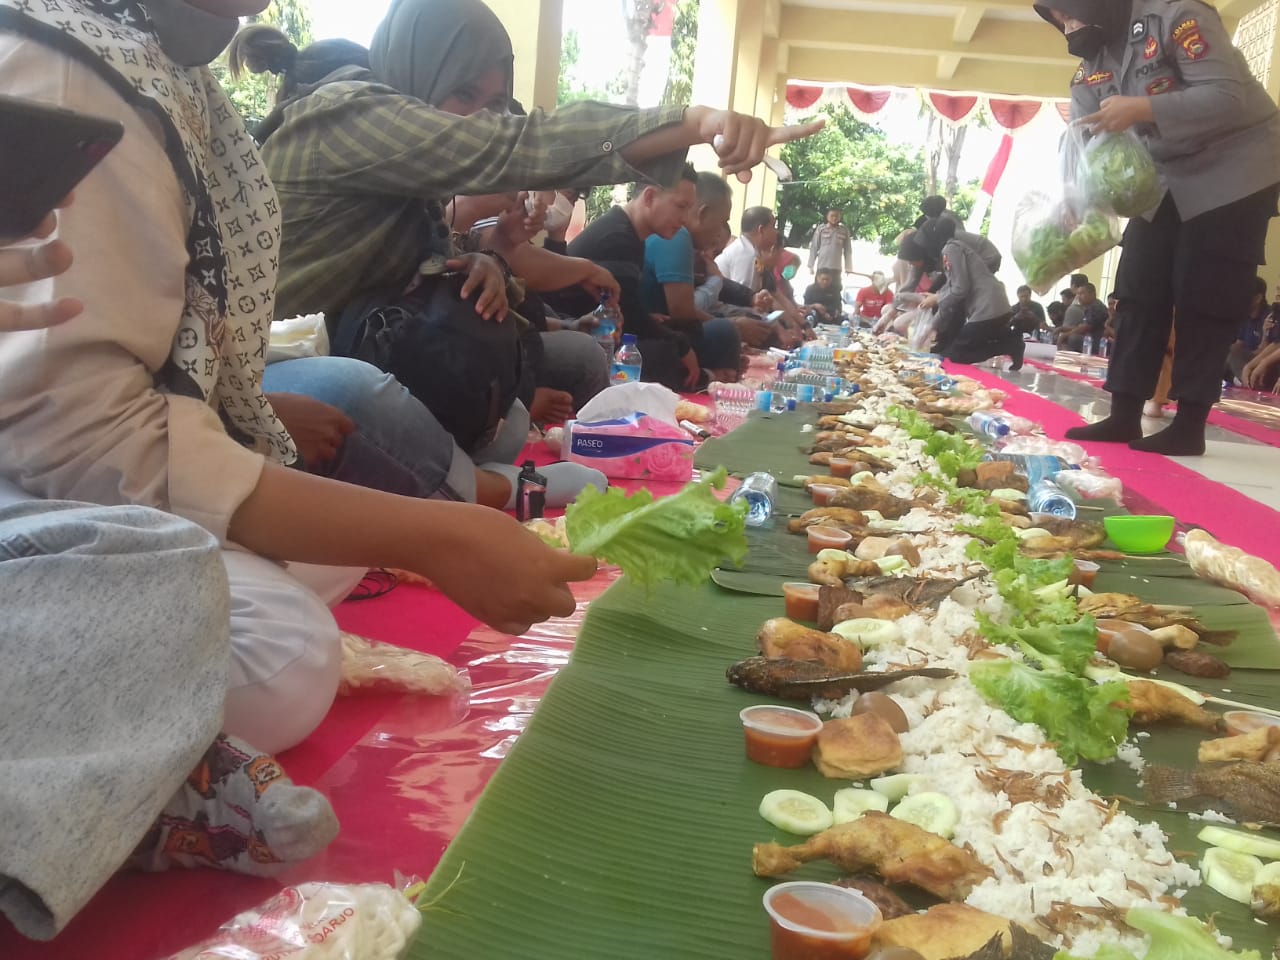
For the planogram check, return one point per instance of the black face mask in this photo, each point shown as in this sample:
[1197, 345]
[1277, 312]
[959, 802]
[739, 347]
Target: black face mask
[1086, 42]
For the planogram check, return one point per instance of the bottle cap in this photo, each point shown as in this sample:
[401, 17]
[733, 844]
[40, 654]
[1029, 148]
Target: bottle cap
[629, 338]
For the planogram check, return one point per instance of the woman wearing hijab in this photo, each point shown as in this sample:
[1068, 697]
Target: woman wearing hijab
[1167, 70]
[365, 158]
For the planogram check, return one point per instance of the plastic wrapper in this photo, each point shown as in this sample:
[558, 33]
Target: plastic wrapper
[1058, 230]
[1041, 446]
[1090, 484]
[920, 327]
[298, 337]
[372, 667]
[1119, 173]
[317, 921]
[1233, 568]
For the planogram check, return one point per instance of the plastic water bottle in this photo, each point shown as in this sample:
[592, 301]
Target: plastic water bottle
[760, 491]
[1035, 467]
[987, 425]
[1047, 497]
[1087, 347]
[627, 361]
[607, 318]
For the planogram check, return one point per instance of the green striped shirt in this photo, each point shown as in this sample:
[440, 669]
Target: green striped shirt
[363, 173]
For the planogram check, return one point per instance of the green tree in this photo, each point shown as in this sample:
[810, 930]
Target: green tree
[253, 95]
[684, 49]
[571, 88]
[850, 166]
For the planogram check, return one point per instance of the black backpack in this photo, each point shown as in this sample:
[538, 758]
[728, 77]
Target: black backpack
[466, 370]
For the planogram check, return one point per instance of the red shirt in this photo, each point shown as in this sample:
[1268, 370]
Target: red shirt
[871, 302]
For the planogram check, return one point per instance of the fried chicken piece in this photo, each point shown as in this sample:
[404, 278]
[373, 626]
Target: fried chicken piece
[1123, 606]
[787, 639]
[1154, 703]
[831, 573]
[946, 931]
[827, 515]
[831, 600]
[826, 480]
[890, 905]
[899, 851]
[1249, 746]
[863, 745]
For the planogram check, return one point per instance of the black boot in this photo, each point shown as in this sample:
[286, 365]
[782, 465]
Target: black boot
[1017, 352]
[1182, 438]
[1124, 424]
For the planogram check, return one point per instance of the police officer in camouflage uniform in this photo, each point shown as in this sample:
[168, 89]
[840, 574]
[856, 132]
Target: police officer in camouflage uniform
[1167, 70]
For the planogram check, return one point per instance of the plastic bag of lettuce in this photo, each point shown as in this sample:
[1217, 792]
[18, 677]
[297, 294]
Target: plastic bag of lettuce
[1119, 173]
[1061, 228]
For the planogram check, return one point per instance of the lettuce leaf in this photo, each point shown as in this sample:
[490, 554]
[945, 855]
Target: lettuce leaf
[681, 538]
[1180, 938]
[1082, 719]
[1064, 647]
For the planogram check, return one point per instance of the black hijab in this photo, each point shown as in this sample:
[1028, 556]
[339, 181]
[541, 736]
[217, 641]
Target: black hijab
[1111, 15]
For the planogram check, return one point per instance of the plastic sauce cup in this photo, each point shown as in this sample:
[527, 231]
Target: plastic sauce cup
[802, 601]
[1084, 573]
[819, 921]
[828, 538]
[1240, 722]
[823, 492]
[840, 467]
[780, 736]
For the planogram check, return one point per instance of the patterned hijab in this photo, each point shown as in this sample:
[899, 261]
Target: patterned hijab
[233, 237]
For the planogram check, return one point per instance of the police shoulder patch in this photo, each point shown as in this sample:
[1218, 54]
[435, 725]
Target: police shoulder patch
[1188, 36]
[1157, 87]
[1079, 76]
[1099, 77]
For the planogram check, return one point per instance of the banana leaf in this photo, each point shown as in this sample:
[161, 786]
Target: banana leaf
[622, 822]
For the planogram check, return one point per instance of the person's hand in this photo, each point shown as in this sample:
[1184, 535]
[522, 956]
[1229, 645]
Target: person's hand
[500, 573]
[763, 302]
[27, 264]
[1117, 114]
[550, 406]
[692, 372]
[1256, 378]
[929, 303]
[483, 275]
[318, 429]
[661, 319]
[740, 140]
[519, 224]
[586, 323]
[599, 281]
[754, 333]
[710, 266]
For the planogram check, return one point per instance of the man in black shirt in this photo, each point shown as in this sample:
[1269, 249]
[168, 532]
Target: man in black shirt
[616, 242]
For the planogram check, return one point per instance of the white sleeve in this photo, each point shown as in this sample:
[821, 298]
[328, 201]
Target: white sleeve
[80, 417]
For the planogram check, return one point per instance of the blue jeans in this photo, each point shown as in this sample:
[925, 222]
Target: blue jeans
[397, 447]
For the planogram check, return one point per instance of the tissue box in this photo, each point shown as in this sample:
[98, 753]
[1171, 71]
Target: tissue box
[1045, 352]
[638, 447]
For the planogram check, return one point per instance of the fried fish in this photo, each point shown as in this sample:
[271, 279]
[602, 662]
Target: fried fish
[1248, 789]
[803, 679]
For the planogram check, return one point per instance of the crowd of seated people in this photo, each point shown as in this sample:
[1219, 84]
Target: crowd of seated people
[178, 514]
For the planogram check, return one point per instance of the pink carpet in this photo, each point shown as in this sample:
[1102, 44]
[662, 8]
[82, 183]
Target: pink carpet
[1219, 416]
[1193, 499]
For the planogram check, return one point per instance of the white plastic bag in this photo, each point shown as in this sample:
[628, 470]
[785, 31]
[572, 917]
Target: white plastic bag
[1119, 173]
[298, 337]
[920, 328]
[372, 667]
[1060, 228]
[317, 921]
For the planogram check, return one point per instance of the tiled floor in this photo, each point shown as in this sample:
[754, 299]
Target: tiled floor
[1250, 467]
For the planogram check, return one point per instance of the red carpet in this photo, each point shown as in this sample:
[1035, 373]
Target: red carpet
[1219, 416]
[1193, 499]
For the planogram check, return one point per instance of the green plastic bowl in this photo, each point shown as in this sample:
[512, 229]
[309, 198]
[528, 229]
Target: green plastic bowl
[1139, 534]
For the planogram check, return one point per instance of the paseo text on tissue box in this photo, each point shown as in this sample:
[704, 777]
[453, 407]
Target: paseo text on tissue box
[638, 447]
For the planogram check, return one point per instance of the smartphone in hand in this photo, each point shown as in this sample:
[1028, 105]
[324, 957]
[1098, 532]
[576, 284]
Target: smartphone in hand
[44, 152]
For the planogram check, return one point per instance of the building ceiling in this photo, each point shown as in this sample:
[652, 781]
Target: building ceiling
[978, 46]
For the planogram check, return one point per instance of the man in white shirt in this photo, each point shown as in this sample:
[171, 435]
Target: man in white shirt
[739, 262]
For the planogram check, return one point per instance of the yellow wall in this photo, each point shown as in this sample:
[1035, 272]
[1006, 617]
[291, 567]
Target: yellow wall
[536, 27]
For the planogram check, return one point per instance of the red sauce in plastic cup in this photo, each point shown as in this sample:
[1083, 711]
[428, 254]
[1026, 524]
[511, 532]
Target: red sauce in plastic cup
[828, 538]
[823, 492]
[819, 921]
[780, 736]
[802, 601]
[842, 468]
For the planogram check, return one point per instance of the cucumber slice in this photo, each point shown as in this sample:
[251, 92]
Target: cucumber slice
[867, 632]
[896, 785]
[1008, 493]
[873, 516]
[851, 803]
[1032, 533]
[893, 564]
[863, 477]
[796, 812]
[832, 556]
[929, 811]
[1240, 841]
[1101, 670]
[1231, 874]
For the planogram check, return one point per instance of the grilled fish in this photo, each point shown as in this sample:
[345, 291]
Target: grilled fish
[1123, 606]
[1249, 790]
[803, 679]
[916, 591]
